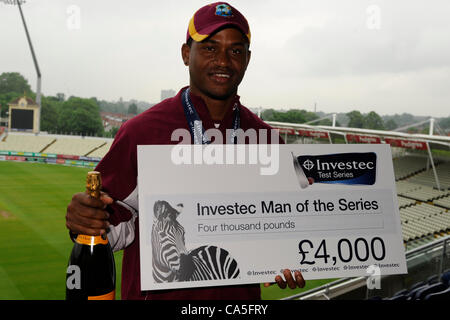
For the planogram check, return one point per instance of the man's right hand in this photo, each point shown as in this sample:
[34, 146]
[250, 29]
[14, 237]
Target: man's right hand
[88, 215]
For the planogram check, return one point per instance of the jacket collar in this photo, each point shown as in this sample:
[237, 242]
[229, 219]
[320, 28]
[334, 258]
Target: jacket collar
[205, 116]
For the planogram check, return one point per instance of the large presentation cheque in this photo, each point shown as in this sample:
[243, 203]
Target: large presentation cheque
[237, 214]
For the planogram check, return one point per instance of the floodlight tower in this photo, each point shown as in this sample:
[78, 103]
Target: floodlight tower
[38, 86]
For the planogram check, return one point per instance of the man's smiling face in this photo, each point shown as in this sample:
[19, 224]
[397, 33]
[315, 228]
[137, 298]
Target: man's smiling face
[217, 64]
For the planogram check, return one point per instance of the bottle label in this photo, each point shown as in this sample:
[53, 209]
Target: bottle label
[109, 296]
[90, 240]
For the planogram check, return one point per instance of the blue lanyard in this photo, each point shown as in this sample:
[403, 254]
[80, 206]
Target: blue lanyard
[195, 124]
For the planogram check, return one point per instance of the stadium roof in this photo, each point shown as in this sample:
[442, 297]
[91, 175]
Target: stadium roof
[442, 140]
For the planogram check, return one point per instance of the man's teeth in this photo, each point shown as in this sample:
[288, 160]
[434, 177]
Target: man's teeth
[222, 75]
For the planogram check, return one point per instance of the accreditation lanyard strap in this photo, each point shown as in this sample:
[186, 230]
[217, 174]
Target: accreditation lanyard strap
[195, 124]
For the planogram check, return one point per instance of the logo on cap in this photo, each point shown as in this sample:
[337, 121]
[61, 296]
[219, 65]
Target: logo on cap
[224, 10]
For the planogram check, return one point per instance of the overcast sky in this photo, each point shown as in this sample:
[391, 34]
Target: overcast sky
[386, 56]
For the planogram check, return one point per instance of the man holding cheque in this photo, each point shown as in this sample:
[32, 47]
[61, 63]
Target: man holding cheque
[217, 54]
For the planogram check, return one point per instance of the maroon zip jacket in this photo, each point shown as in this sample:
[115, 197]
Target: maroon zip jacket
[119, 177]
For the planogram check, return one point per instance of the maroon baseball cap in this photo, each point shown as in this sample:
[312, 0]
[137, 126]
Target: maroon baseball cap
[214, 16]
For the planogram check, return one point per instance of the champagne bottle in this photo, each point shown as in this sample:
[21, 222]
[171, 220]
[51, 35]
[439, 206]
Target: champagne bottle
[91, 272]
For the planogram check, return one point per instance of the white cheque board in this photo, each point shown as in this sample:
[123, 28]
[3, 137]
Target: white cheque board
[238, 214]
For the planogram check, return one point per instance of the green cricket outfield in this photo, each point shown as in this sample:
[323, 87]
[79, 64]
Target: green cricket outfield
[34, 242]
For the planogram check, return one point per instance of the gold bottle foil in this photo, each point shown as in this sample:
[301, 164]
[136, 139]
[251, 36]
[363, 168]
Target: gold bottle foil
[94, 184]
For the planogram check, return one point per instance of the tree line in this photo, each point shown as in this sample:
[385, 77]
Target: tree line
[75, 115]
[81, 116]
[354, 119]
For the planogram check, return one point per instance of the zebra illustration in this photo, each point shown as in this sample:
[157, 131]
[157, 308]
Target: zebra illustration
[172, 261]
